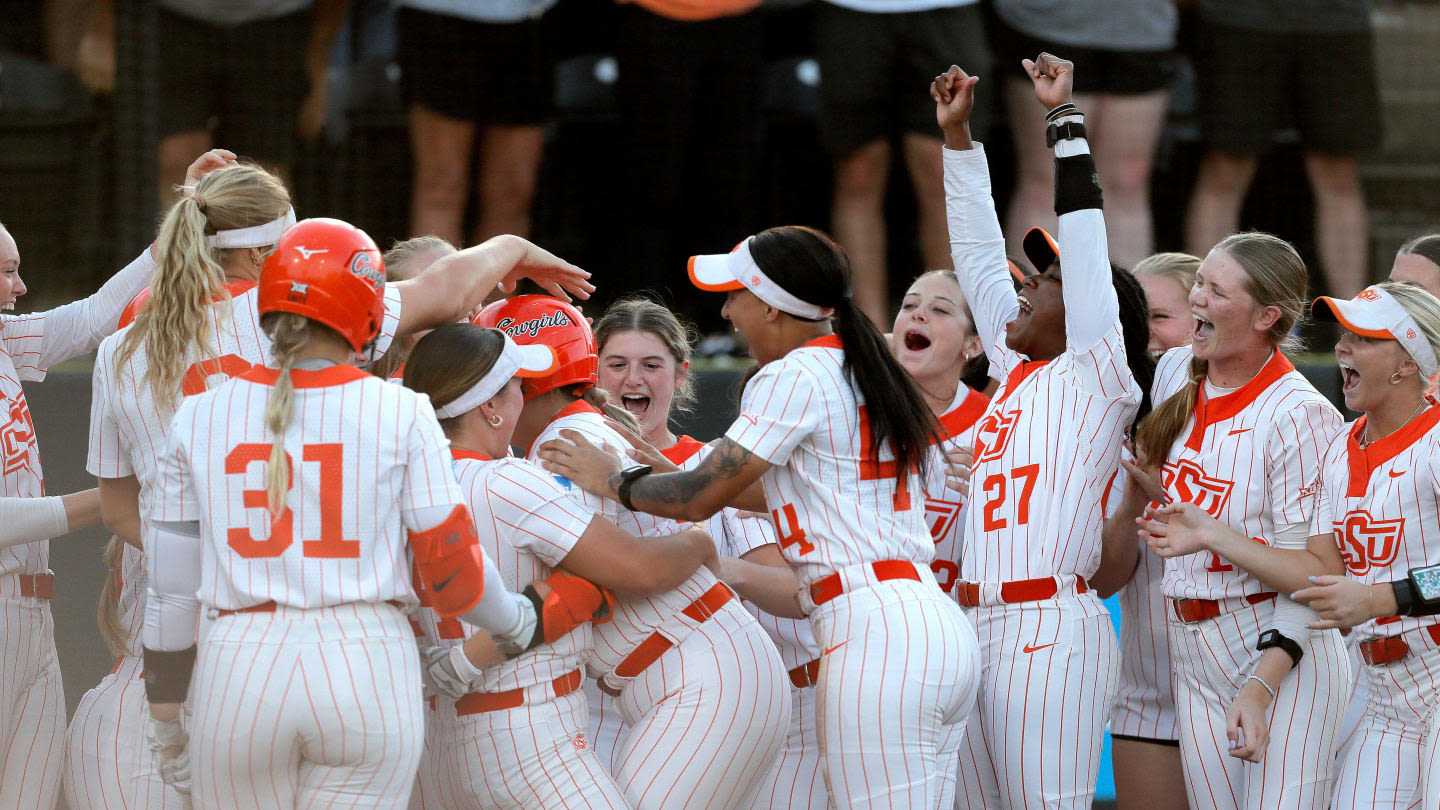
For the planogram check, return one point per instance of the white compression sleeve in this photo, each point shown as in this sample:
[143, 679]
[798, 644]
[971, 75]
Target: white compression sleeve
[26, 520]
[173, 553]
[506, 615]
[1290, 618]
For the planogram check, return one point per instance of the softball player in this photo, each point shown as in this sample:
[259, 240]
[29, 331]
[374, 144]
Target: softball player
[645, 365]
[273, 453]
[1072, 354]
[1242, 434]
[32, 703]
[837, 432]
[685, 666]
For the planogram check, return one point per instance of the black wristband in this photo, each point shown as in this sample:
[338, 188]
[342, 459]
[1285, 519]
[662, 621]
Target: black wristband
[1061, 111]
[627, 480]
[1406, 600]
[167, 674]
[1077, 186]
[1273, 638]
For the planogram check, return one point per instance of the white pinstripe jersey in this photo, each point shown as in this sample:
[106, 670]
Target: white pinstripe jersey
[736, 536]
[944, 507]
[635, 619]
[364, 454]
[128, 429]
[1251, 458]
[834, 506]
[1383, 504]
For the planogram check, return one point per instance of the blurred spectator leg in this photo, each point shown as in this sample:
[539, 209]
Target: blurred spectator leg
[1215, 203]
[1126, 130]
[858, 221]
[1032, 203]
[177, 152]
[922, 158]
[509, 163]
[1340, 222]
[441, 149]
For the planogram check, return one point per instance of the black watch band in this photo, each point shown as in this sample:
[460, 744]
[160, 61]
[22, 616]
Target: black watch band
[1273, 638]
[1063, 132]
[1404, 597]
[628, 477]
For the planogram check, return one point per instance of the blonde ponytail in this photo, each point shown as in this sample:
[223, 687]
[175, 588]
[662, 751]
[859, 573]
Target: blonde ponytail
[288, 334]
[107, 612]
[597, 397]
[174, 323]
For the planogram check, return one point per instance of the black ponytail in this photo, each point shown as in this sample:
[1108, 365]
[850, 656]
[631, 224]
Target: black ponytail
[810, 266]
[1135, 326]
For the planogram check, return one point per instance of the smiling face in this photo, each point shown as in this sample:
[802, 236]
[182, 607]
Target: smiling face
[931, 335]
[1366, 366]
[1038, 332]
[1170, 320]
[11, 287]
[747, 313]
[637, 369]
[1226, 318]
[1412, 268]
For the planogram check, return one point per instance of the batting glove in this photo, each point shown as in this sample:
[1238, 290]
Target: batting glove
[448, 671]
[171, 746]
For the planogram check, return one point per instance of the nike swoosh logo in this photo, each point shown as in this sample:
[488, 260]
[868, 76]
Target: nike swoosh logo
[833, 649]
[440, 586]
[1028, 649]
[1238, 431]
[1396, 473]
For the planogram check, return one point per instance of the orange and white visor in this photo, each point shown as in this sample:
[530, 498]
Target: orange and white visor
[1374, 313]
[737, 270]
[533, 360]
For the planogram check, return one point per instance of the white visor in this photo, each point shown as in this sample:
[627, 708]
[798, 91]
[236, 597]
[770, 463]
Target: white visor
[254, 236]
[534, 360]
[737, 270]
[1375, 313]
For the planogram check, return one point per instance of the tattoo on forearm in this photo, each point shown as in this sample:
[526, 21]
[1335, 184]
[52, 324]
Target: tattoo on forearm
[726, 462]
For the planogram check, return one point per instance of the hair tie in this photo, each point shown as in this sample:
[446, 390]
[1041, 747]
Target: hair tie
[199, 201]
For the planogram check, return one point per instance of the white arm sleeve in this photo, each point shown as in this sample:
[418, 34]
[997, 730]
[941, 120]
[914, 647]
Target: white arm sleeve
[26, 520]
[978, 249]
[506, 615]
[173, 553]
[1091, 307]
[1290, 618]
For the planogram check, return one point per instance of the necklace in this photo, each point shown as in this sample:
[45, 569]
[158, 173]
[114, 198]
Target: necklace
[1369, 441]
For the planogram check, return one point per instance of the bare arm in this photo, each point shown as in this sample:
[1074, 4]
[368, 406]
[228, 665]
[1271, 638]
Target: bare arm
[1120, 540]
[120, 507]
[609, 556]
[82, 509]
[763, 577]
[1183, 528]
[1247, 723]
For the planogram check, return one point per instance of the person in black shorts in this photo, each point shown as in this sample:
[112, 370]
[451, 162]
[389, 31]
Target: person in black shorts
[475, 74]
[1123, 55]
[1264, 64]
[872, 55]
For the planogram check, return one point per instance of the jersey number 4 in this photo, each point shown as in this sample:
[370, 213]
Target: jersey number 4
[998, 492]
[331, 544]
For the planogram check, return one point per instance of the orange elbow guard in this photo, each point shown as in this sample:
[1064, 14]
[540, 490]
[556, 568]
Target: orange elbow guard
[448, 562]
[572, 601]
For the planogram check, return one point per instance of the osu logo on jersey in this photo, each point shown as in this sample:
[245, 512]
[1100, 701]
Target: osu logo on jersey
[993, 435]
[1367, 543]
[941, 516]
[1192, 485]
[19, 434]
[533, 326]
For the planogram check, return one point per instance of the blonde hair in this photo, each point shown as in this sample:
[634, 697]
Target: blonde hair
[1178, 267]
[1420, 305]
[1275, 276]
[107, 613]
[398, 261]
[174, 322]
[600, 400]
[640, 314]
[288, 333]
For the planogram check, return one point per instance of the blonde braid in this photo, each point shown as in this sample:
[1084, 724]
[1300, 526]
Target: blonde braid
[107, 612]
[288, 334]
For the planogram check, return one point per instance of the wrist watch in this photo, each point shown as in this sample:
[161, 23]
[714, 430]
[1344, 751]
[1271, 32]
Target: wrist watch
[1425, 588]
[628, 477]
[1273, 638]
[1063, 132]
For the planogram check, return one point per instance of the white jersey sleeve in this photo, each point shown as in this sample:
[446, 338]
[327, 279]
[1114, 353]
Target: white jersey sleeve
[176, 500]
[105, 458]
[429, 474]
[39, 340]
[1294, 451]
[977, 248]
[775, 412]
[537, 513]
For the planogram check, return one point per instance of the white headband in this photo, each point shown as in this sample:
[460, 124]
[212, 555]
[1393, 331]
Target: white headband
[254, 236]
[533, 360]
[736, 269]
[1375, 313]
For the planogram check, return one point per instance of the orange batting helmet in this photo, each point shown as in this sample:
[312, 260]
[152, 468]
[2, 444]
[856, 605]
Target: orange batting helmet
[541, 319]
[330, 272]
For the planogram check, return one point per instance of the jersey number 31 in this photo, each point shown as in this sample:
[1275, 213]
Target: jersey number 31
[331, 544]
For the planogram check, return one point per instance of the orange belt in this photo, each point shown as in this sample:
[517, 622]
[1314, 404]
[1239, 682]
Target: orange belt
[1021, 590]
[655, 644]
[1198, 610]
[477, 702]
[1391, 649]
[805, 674]
[270, 607]
[38, 585]
[827, 588]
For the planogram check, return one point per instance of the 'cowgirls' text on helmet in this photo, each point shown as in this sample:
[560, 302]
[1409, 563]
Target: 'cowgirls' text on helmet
[331, 272]
[542, 319]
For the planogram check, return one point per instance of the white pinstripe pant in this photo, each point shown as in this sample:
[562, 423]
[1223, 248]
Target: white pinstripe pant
[605, 724]
[705, 722]
[32, 704]
[1050, 672]
[307, 708]
[432, 790]
[108, 764]
[1381, 764]
[797, 781]
[1212, 658]
[895, 687]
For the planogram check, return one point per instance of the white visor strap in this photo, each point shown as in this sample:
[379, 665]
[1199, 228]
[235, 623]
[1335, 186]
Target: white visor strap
[254, 236]
[506, 365]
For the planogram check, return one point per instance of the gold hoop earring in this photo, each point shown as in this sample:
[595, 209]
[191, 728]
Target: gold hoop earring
[1395, 378]
[496, 421]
